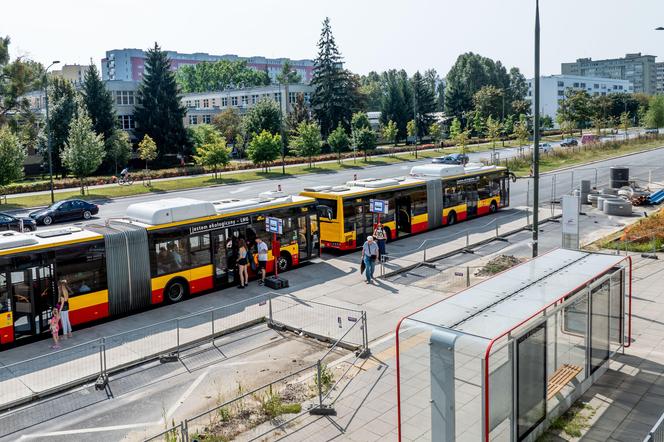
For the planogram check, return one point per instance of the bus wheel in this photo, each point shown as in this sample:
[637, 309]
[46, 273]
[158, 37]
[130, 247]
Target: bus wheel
[493, 207]
[451, 218]
[176, 290]
[284, 262]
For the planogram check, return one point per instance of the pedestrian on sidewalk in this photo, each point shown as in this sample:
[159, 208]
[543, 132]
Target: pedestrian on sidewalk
[54, 325]
[370, 254]
[242, 263]
[64, 309]
[381, 237]
[262, 258]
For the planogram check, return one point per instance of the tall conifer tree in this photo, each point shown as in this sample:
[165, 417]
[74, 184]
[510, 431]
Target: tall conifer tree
[160, 113]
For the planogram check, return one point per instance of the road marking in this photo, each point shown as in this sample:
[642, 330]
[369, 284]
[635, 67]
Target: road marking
[186, 394]
[90, 430]
[239, 189]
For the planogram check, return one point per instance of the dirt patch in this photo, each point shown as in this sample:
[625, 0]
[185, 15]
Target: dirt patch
[498, 264]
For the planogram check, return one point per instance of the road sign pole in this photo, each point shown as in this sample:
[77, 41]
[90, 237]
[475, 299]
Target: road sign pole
[276, 251]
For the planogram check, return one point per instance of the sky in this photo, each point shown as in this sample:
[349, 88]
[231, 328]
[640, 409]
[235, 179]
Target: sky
[371, 34]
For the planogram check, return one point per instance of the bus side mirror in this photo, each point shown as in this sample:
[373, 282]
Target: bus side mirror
[324, 212]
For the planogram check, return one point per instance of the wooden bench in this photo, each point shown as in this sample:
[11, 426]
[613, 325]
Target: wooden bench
[560, 378]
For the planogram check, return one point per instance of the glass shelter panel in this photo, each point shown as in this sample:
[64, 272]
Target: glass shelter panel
[599, 331]
[531, 380]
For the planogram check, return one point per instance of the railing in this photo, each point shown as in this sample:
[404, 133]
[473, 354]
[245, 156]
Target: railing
[266, 403]
[37, 377]
[657, 432]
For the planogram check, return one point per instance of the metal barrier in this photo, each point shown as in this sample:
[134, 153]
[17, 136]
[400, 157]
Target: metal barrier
[657, 432]
[266, 403]
[37, 377]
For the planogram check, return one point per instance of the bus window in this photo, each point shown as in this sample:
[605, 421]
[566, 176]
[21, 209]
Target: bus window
[349, 216]
[453, 196]
[199, 250]
[170, 251]
[327, 208]
[418, 200]
[83, 267]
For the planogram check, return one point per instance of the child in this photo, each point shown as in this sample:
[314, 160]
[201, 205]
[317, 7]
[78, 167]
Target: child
[54, 324]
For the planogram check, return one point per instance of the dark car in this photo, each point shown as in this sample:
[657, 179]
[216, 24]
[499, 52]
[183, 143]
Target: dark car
[652, 131]
[65, 211]
[455, 158]
[568, 142]
[9, 222]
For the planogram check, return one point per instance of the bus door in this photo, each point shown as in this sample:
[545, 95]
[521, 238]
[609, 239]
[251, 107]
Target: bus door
[33, 296]
[303, 237]
[505, 191]
[223, 257]
[471, 195]
[363, 222]
[403, 214]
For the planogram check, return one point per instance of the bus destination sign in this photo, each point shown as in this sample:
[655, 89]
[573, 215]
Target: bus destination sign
[221, 224]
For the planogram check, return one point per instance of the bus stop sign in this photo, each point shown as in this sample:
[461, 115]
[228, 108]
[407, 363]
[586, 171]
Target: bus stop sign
[274, 225]
[378, 206]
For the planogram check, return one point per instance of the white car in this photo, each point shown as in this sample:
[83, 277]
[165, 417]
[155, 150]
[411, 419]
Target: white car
[545, 147]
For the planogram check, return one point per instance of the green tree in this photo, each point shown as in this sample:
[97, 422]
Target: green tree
[336, 94]
[488, 101]
[147, 151]
[641, 115]
[625, 122]
[98, 103]
[338, 141]
[12, 157]
[424, 103]
[219, 75]
[229, 123]
[265, 115]
[307, 141]
[159, 112]
[288, 75]
[299, 113]
[204, 134]
[118, 148]
[371, 91]
[459, 136]
[390, 132]
[575, 107]
[364, 137]
[567, 127]
[521, 132]
[410, 128]
[213, 153]
[62, 111]
[264, 148]
[84, 150]
[17, 78]
[655, 115]
[437, 88]
[546, 122]
[507, 127]
[397, 101]
[478, 124]
[493, 130]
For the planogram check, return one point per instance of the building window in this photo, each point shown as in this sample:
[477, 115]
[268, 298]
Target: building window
[224, 101]
[292, 97]
[561, 93]
[583, 85]
[245, 100]
[596, 85]
[620, 87]
[197, 103]
[214, 102]
[206, 119]
[576, 84]
[206, 103]
[254, 99]
[307, 97]
[126, 122]
[277, 97]
[561, 83]
[234, 101]
[193, 119]
[187, 103]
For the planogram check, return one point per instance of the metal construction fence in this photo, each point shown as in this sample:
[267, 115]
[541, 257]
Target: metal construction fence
[37, 377]
[657, 432]
[280, 401]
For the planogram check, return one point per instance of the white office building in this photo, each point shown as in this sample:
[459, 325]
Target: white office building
[553, 87]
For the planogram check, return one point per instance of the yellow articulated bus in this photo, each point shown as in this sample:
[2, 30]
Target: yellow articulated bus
[162, 251]
[432, 196]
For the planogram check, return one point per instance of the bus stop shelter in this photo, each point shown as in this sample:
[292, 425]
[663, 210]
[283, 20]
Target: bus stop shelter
[502, 359]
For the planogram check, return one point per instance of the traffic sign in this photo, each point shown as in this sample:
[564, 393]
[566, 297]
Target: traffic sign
[378, 206]
[274, 225]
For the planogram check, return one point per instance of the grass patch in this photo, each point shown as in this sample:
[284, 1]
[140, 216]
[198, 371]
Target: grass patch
[574, 420]
[644, 236]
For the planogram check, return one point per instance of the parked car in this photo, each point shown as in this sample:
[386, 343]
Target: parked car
[588, 138]
[568, 142]
[9, 222]
[455, 158]
[654, 131]
[65, 211]
[545, 147]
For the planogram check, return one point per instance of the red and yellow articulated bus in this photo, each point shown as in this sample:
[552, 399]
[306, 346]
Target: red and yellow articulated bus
[432, 196]
[163, 251]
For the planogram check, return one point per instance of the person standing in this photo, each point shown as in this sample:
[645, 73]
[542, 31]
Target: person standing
[242, 263]
[370, 254]
[381, 237]
[262, 258]
[64, 309]
[54, 325]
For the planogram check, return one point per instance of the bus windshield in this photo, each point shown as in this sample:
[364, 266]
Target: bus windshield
[327, 208]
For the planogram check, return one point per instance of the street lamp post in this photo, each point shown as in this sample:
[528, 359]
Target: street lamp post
[48, 129]
[536, 134]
